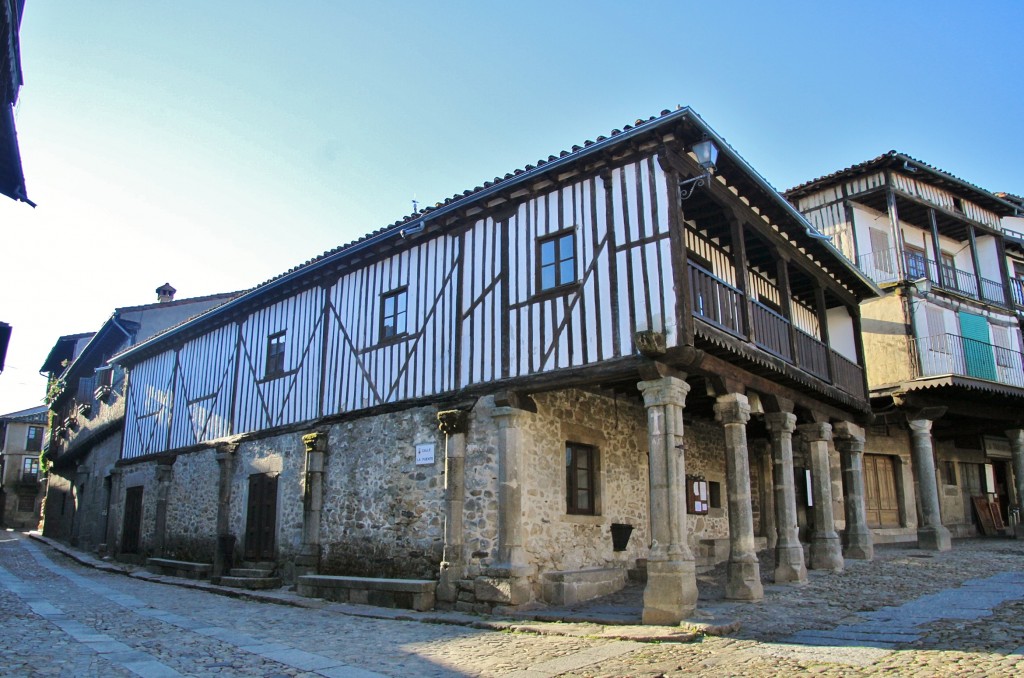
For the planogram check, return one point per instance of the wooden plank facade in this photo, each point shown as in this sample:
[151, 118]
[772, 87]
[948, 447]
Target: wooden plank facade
[456, 298]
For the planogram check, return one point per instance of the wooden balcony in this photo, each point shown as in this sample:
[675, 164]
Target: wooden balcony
[719, 304]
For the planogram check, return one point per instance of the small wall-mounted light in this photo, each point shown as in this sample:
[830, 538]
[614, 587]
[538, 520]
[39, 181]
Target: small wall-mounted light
[707, 157]
[923, 286]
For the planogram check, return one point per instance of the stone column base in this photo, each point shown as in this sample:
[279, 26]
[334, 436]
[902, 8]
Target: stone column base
[934, 539]
[448, 582]
[859, 545]
[789, 565]
[671, 592]
[504, 585]
[1018, 531]
[744, 581]
[308, 562]
[827, 553]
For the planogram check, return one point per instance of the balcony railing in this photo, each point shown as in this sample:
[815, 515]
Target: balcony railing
[954, 354]
[1017, 290]
[720, 305]
[881, 267]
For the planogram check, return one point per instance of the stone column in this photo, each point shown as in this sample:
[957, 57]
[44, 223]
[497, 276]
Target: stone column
[931, 533]
[164, 477]
[507, 582]
[671, 592]
[453, 424]
[849, 441]
[116, 498]
[224, 552]
[765, 474]
[308, 559]
[826, 548]
[789, 553]
[744, 573]
[1016, 437]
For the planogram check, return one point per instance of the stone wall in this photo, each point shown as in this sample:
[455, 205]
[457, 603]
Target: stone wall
[191, 532]
[555, 540]
[58, 507]
[383, 514]
[136, 475]
[705, 456]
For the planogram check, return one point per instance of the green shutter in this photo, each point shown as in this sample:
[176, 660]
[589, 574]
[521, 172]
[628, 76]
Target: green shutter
[978, 356]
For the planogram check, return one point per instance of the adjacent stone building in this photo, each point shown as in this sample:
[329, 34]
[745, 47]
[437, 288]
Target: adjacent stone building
[86, 403]
[945, 454]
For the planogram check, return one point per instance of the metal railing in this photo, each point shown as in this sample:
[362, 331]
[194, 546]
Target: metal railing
[953, 354]
[881, 267]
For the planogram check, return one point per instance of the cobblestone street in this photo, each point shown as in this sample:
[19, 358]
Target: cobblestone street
[907, 613]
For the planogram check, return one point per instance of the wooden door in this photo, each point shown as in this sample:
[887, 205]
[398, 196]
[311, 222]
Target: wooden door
[971, 486]
[882, 504]
[132, 526]
[261, 517]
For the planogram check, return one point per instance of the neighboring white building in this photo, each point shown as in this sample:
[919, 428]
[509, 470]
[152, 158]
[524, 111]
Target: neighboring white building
[22, 435]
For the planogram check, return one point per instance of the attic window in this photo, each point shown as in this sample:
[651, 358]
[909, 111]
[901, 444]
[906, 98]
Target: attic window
[393, 319]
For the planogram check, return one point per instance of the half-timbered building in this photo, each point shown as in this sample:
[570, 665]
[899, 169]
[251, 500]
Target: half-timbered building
[945, 365]
[623, 355]
[87, 408]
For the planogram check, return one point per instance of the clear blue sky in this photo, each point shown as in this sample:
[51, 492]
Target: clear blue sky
[214, 145]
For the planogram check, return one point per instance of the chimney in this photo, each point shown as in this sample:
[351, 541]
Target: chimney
[165, 293]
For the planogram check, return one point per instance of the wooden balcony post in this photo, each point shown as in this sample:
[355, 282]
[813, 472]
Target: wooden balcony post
[786, 303]
[974, 260]
[936, 250]
[739, 254]
[822, 313]
[897, 232]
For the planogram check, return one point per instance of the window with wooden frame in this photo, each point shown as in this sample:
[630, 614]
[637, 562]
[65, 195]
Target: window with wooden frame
[1004, 354]
[948, 269]
[581, 466]
[917, 263]
[275, 355]
[29, 469]
[557, 257]
[937, 338]
[393, 313]
[34, 439]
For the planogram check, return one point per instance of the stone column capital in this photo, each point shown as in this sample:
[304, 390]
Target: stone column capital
[226, 451]
[815, 432]
[315, 442]
[920, 426]
[849, 437]
[780, 422]
[1016, 436]
[664, 391]
[452, 422]
[509, 417]
[732, 408]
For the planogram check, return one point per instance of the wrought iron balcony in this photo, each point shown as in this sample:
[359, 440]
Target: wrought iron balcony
[719, 304]
[881, 267]
[953, 354]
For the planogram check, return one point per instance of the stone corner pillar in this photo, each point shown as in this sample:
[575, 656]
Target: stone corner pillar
[454, 425]
[789, 552]
[932, 535]
[223, 554]
[826, 547]
[744, 572]
[849, 441]
[508, 580]
[164, 478]
[671, 592]
[1016, 437]
[308, 559]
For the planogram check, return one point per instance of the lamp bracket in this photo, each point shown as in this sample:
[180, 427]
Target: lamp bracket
[687, 187]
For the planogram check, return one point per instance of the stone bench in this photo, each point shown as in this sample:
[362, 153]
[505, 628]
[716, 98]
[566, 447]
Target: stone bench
[408, 594]
[179, 568]
[568, 587]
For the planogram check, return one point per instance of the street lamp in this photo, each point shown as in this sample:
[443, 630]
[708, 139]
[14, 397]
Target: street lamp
[707, 156]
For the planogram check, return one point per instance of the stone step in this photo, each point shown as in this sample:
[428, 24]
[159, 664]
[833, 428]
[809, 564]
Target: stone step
[251, 583]
[249, 572]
